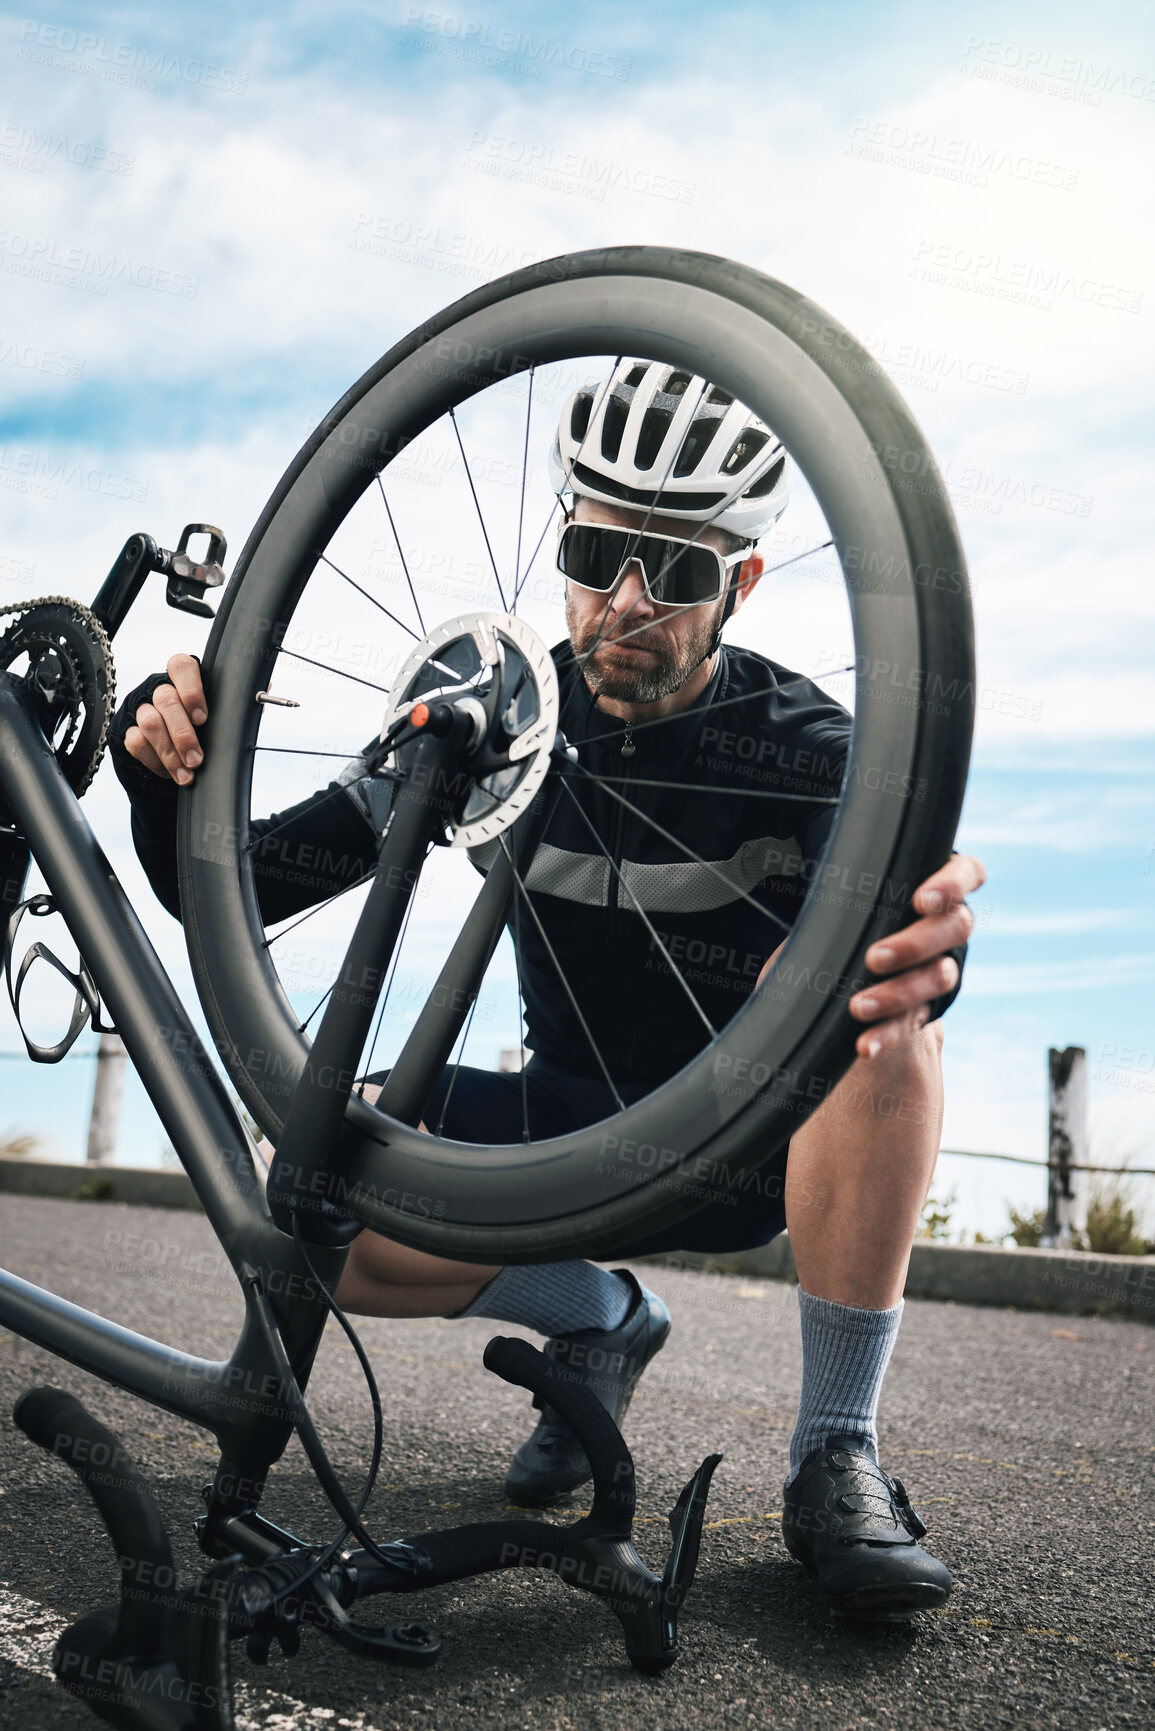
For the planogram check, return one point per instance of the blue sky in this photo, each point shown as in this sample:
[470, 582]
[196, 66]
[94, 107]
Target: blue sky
[215, 168]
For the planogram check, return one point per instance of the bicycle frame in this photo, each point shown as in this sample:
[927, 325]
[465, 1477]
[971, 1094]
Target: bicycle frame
[234, 1398]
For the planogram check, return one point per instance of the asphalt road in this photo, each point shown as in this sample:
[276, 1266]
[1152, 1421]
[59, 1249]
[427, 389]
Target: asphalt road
[1025, 1441]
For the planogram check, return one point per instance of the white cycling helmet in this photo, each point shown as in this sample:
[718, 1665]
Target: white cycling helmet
[658, 437]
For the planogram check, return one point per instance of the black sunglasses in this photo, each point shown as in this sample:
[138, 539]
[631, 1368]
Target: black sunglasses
[676, 573]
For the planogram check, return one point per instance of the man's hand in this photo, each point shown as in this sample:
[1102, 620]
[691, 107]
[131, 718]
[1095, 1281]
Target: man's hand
[913, 966]
[164, 736]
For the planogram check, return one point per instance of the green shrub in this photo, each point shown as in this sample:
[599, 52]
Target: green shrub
[1027, 1229]
[1112, 1225]
[936, 1217]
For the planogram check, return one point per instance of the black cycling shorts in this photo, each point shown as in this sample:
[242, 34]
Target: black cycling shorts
[485, 1106]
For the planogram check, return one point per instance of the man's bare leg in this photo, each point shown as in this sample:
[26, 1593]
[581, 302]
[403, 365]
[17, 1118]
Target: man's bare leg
[859, 1172]
[856, 1181]
[381, 1278]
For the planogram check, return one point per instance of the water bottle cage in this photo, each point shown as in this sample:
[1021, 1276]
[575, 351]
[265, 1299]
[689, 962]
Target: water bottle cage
[86, 1004]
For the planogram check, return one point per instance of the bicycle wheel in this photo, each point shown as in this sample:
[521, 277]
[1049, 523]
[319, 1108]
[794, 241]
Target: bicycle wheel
[878, 503]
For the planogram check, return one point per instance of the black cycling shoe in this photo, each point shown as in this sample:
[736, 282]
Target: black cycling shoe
[854, 1530]
[606, 1361]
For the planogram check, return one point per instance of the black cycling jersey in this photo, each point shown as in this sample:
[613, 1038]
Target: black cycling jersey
[712, 826]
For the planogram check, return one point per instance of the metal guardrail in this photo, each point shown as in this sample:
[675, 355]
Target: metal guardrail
[1055, 1165]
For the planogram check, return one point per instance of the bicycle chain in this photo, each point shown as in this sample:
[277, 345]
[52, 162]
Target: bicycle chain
[102, 648]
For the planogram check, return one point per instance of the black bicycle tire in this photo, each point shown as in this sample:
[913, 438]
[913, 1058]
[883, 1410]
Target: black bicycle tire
[487, 1203]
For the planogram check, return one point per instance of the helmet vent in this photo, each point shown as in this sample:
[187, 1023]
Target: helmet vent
[766, 483]
[744, 450]
[579, 418]
[613, 426]
[601, 486]
[655, 426]
[695, 445]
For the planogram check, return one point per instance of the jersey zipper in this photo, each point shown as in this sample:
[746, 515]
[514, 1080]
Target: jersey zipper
[621, 814]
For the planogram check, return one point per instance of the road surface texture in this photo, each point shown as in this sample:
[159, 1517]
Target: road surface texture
[1026, 1442]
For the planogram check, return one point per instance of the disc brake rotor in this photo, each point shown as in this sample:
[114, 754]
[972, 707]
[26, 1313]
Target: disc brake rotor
[501, 668]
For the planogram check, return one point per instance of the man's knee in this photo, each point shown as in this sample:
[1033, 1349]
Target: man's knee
[904, 1083]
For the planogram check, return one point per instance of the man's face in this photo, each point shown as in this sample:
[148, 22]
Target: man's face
[631, 648]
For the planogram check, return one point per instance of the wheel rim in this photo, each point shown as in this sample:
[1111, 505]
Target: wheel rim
[848, 466]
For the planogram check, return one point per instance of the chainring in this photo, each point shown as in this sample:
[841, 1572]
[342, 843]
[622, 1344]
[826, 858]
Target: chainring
[71, 677]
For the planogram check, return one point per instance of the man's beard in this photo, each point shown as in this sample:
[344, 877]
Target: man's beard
[647, 683]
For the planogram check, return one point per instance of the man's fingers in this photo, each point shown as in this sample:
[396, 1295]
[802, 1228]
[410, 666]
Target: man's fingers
[961, 874]
[904, 992]
[137, 746]
[181, 731]
[185, 674]
[151, 724]
[890, 1033]
[769, 963]
[916, 943]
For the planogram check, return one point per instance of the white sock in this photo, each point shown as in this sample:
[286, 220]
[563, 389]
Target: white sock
[845, 1353]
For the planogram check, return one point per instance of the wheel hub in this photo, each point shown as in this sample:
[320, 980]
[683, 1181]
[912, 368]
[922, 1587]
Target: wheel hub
[498, 670]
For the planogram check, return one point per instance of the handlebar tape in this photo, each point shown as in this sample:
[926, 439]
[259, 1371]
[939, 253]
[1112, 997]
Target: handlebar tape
[57, 1422]
[613, 1468]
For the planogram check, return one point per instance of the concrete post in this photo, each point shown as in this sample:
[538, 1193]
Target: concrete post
[1067, 1147]
[107, 1093]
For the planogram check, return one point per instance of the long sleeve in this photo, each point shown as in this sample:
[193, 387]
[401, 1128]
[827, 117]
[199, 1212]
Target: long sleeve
[301, 856]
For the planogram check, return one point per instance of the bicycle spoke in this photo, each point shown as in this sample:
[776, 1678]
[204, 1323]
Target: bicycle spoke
[795, 557]
[291, 817]
[736, 792]
[302, 1026]
[682, 847]
[521, 505]
[372, 599]
[401, 556]
[673, 607]
[602, 389]
[456, 1068]
[560, 971]
[480, 517]
[325, 667]
[536, 551]
[520, 1019]
[304, 751]
[319, 907]
[704, 708]
[388, 987]
[655, 935]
